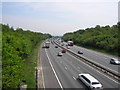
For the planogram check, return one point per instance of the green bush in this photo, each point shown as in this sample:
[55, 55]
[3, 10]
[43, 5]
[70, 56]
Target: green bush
[17, 45]
[105, 38]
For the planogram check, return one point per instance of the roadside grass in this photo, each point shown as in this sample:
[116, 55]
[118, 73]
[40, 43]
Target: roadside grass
[29, 68]
[100, 50]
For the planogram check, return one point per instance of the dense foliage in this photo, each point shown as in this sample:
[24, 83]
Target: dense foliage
[105, 37]
[0, 56]
[17, 45]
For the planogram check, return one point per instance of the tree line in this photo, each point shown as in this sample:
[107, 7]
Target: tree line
[100, 37]
[17, 45]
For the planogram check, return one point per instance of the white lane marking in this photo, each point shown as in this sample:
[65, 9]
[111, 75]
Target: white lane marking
[42, 74]
[66, 68]
[74, 78]
[54, 71]
[95, 69]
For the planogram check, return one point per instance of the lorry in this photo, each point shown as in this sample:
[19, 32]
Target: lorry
[47, 44]
[70, 43]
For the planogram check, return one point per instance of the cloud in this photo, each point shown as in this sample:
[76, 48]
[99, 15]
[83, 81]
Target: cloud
[58, 18]
[88, 12]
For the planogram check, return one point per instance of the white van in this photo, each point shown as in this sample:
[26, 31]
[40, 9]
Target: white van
[90, 81]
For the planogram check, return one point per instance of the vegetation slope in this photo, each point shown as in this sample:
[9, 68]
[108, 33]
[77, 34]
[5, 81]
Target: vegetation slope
[103, 38]
[17, 46]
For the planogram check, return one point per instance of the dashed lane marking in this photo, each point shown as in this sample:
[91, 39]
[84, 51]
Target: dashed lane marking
[66, 68]
[74, 78]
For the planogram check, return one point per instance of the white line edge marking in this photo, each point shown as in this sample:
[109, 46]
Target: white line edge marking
[42, 74]
[66, 68]
[74, 78]
[54, 71]
[95, 69]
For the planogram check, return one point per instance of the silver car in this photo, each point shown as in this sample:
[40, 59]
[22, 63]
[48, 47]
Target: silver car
[68, 47]
[59, 54]
[114, 61]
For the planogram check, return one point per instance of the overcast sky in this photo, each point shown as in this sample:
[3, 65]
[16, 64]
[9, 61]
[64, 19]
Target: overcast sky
[59, 16]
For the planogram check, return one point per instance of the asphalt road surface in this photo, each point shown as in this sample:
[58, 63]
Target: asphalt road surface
[101, 58]
[62, 72]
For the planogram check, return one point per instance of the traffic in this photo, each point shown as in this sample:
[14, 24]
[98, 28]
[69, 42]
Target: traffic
[61, 53]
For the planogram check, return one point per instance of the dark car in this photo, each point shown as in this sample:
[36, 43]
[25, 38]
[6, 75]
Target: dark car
[114, 61]
[63, 51]
[80, 52]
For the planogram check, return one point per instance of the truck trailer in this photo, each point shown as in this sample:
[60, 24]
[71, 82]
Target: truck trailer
[70, 43]
[47, 44]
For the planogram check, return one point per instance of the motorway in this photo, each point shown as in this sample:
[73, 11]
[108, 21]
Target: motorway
[97, 57]
[62, 72]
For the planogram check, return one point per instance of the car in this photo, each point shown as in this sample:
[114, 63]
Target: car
[114, 61]
[62, 44]
[56, 46]
[64, 51]
[80, 52]
[68, 47]
[44, 46]
[91, 82]
[59, 54]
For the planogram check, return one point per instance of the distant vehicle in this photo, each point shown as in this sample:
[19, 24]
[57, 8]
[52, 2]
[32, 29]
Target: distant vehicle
[47, 44]
[68, 47]
[80, 52]
[70, 43]
[62, 44]
[63, 51]
[90, 81]
[114, 61]
[56, 46]
[59, 54]
[43, 46]
[61, 40]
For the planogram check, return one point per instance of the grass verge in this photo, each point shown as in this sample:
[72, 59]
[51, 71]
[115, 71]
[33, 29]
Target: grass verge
[29, 68]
